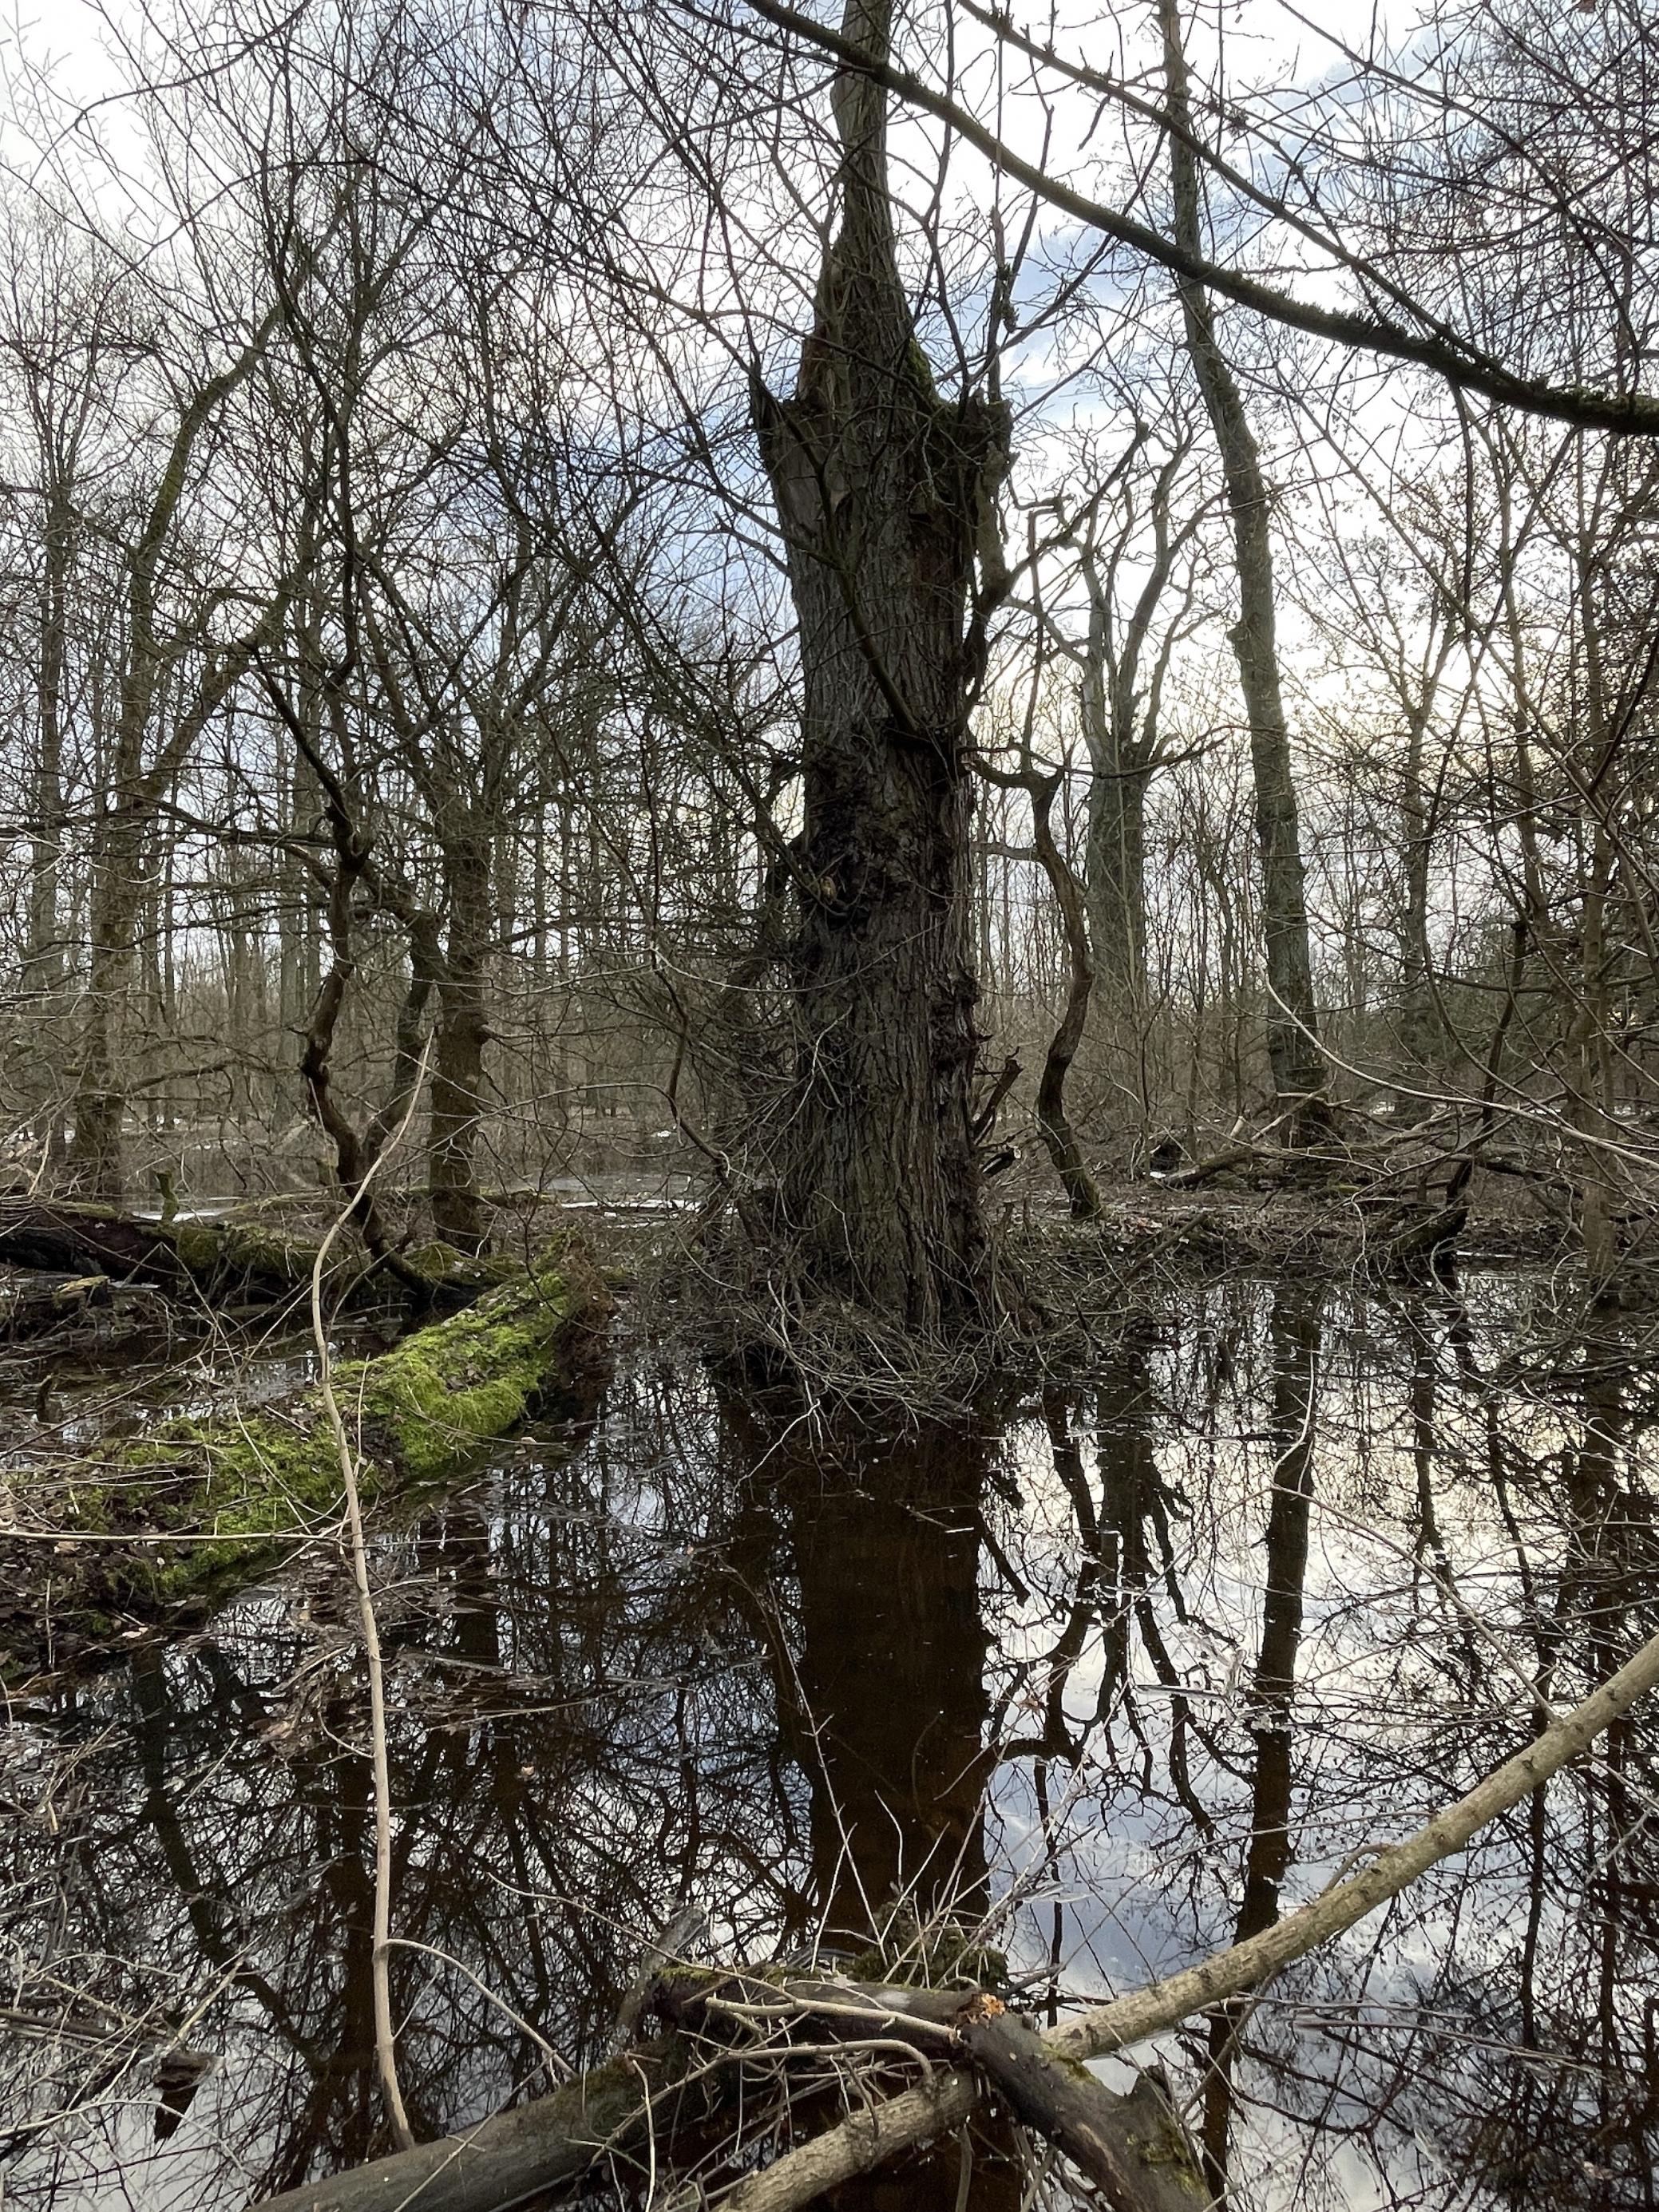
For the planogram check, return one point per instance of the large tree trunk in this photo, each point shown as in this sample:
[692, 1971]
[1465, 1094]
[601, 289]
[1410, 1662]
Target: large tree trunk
[881, 487]
[1293, 1053]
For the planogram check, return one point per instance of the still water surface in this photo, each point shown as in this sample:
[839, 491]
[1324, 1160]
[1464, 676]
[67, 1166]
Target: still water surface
[1133, 1668]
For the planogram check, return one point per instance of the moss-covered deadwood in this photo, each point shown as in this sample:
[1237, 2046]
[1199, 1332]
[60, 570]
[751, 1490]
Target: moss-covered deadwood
[168, 1517]
[237, 1257]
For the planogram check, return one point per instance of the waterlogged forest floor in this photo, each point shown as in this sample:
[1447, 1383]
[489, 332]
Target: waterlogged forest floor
[1127, 1666]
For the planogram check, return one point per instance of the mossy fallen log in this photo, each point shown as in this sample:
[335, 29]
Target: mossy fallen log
[236, 1255]
[167, 1519]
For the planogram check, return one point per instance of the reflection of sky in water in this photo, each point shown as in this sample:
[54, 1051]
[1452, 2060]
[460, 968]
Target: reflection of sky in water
[591, 1714]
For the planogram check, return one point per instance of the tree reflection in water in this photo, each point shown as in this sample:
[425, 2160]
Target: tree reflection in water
[1162, 1652]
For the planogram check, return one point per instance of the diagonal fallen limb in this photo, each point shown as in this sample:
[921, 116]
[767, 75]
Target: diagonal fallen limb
[557, 2139]
[1248, 1965]
[653, 2088]
[862, 2142]
[869, 2138]
[1133, 2148]
[721, 2022]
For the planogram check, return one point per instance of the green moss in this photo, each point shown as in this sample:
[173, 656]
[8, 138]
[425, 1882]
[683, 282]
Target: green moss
[241, 1480]
[442, 1263]
[447, 1389]
[275, 1261]
[220, 1251]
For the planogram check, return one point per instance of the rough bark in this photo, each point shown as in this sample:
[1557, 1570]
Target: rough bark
[354, 870]
[1292, 1022]
[1134, 2149]
[881, 489]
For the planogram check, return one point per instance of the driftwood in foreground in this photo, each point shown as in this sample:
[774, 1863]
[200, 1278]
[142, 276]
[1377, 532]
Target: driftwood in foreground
[234, 1257]
[169, 1517]
[611, 2110]
[883, 2131]
[724, 2026]
[1131, 2146]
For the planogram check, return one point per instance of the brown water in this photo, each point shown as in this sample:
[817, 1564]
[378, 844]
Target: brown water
[1138, 1667]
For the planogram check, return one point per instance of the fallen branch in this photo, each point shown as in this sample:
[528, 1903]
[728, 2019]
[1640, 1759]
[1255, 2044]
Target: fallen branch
[613, 2110]
[869, 2138]
[862, 2142]
[168, 1517]
[721, 2025]
[1248, 1965]
[670, 2083]
[228, 1258]
[1133, 2148]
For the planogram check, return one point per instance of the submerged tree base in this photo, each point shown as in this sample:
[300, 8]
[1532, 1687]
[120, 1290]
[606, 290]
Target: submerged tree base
[168, 1519]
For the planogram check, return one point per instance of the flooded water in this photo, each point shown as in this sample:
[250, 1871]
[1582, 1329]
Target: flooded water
[1129, 1671]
